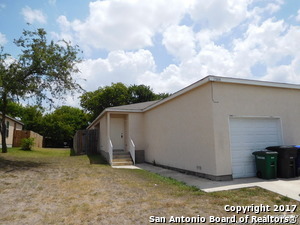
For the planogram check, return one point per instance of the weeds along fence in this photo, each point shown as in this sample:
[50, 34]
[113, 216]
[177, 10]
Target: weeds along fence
[20, 134]
[86, 142]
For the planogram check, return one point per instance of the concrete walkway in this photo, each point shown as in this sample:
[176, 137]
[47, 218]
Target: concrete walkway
[285, 187]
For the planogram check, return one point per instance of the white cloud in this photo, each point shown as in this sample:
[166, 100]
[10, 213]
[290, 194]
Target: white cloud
[260, 13]
[119, 66]
[33, 15]
[66, 31]
[126, 24]
[180, 41]
[272, 8]
[284, 73]
[211, 60]
[225, 38]
[220, 15]
[267, 44]
[3, 39]
[169, 80]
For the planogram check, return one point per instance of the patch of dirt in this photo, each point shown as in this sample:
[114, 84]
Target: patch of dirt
[69, 190]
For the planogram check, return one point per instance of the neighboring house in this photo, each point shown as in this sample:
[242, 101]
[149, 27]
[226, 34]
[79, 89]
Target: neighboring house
[11, 125]
[209, 128]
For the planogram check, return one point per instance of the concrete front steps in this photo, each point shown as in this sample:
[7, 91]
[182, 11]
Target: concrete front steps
[121, 158]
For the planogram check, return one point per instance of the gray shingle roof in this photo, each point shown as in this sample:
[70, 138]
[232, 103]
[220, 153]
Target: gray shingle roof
[14, 119]
[137, 106]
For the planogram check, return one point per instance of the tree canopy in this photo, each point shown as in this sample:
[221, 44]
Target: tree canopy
[32, 117]
[61, 125]
[94, 102]
[56, 127]
[42, 71]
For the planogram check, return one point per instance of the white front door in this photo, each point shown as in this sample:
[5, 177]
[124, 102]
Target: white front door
[117, 129]
[248, 135]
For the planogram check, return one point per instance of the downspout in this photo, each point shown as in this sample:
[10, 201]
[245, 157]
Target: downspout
[109, 144]
[212, 92]
[212, 80]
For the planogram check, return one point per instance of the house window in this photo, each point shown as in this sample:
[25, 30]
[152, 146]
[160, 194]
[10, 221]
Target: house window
[7, 129]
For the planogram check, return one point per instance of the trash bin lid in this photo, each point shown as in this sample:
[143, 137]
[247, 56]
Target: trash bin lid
[284, 151]
[287, 147]
[264, 153]
[281, 147]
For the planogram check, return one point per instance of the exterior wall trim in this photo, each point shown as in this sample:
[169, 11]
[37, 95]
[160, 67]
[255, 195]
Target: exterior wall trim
[202, 175]
[254, 117]
[253, 82]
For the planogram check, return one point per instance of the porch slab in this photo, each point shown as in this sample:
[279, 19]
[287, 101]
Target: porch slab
[285, 187]
[127, 167]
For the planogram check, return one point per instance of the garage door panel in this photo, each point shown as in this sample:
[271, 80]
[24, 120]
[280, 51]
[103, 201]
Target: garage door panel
[243, 171]
[248, 135]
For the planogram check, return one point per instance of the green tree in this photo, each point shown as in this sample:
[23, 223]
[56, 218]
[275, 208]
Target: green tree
[162, 95]
[94, 102]
[32, 117]
[141, 93]
[14, 109]
[61, 125]
[42, 71]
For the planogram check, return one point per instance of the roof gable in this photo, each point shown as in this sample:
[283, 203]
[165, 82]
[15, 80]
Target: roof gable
[13, 119]
[219, 79]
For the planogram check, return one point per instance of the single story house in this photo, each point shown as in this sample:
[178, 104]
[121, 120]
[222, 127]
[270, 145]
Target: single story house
[209, 128]
[12, 124]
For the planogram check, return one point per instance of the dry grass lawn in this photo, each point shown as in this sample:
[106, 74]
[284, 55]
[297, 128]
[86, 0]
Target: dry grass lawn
[47, 186]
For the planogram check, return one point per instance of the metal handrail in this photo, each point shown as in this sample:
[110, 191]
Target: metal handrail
[110, 152]
[132, 150]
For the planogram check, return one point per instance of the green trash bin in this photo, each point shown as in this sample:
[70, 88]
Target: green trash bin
[266, 164]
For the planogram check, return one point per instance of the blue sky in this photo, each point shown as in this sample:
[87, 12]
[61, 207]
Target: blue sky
[166, 44]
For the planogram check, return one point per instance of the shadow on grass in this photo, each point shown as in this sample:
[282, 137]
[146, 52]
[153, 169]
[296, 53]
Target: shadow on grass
[72, 152]
[97, 159]
[94, 159]
[7, 165]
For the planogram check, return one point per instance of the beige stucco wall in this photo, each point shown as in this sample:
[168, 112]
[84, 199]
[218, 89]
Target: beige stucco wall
[12, 124]
[103, 134]
[9, 140]
[191, 131]
[134, 127]
[136, 130]
[179, 133]
[19, 126]
[256, 101]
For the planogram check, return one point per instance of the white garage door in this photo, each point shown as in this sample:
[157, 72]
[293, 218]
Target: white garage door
[248, 135]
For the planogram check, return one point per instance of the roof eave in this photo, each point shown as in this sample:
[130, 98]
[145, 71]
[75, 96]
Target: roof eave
[112, 110]
[254, 82]
[97, 118]
[13, 119]
[212, 78]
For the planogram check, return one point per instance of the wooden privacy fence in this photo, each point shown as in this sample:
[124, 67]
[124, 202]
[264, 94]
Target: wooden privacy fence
[20, 134]
[86, 142]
